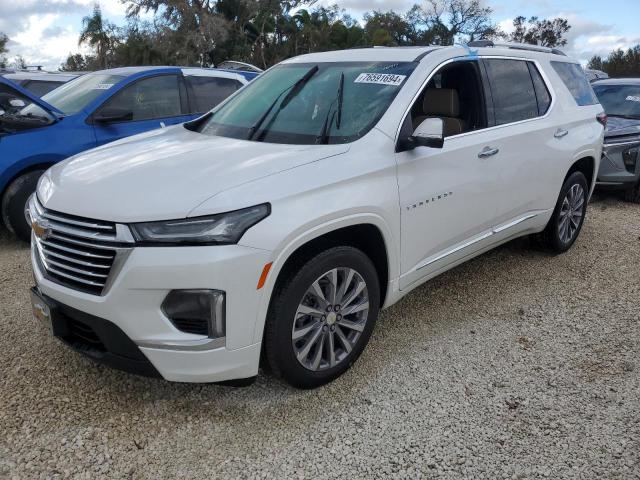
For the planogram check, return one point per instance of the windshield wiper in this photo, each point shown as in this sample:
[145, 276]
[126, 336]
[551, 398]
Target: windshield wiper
[293, 91]
[328, 121]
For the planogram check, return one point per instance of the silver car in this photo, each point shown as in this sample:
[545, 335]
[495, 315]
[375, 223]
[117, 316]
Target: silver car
[620, 165]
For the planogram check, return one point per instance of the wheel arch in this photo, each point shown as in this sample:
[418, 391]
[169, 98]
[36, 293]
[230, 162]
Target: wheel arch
[368, 233]
[587, 165]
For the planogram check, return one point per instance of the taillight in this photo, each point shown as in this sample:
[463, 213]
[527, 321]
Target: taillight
[602, 119]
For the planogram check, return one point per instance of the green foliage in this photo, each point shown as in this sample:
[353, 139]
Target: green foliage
[535, 31]
[264, 32]
[619, 63]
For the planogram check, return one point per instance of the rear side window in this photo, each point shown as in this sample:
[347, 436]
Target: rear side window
[542, 93]
[576, 81]
[40, 87]
[149, 98]
[207, 92]
[514, 96]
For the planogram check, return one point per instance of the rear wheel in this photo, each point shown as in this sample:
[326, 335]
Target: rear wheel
[633, 194]
[14, 202]
[568, 216]
[321, 317]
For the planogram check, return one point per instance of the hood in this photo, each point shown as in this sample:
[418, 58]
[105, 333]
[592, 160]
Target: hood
[617, 126]
[165, 174]
[7, 86]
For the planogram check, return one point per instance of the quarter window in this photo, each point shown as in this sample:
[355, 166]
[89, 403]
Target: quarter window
[512, 89]
[207, 92]
[149, 98]
[542, 93]
[576, 81]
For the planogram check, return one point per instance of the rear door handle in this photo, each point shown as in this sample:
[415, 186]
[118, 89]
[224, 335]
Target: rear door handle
[561, 132]
[488, 152]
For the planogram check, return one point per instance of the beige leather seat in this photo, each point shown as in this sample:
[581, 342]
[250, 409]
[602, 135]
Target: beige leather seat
[442, 103]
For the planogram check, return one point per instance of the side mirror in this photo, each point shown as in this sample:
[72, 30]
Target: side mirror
[112, 115]
[430, 133]
[17, 103]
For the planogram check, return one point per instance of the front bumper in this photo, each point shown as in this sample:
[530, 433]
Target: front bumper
[132, 304]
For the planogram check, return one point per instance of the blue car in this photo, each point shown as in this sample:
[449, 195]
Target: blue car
[90, 111]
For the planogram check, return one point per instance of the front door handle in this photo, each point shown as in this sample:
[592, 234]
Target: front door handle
[561, 132]
[488, 152]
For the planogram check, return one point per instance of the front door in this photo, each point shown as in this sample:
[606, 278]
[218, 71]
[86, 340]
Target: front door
[448, 196]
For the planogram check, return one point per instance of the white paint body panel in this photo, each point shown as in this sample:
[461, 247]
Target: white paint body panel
[314, 189]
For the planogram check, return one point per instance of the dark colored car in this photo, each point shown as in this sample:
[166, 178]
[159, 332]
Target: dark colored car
[620, 165]
[38, 82]
[593, 75]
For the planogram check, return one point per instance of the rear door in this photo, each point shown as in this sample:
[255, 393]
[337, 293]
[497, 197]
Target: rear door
[153, 102]
[527, 139]
[206, 91]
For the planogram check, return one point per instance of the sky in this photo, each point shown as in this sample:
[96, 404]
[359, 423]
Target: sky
[44, 32]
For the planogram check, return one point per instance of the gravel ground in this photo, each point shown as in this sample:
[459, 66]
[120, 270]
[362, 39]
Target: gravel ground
[515, 365]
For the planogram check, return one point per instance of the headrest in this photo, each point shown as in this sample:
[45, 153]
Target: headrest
[441, 102]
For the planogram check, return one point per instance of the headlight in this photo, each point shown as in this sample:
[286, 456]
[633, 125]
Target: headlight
[222, 229]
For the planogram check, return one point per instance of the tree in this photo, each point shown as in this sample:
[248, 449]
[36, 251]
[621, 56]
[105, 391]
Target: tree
[543, 32]
[3, 49]
[448, 21]
[79, 63]
[595, 63]
[619, 63]
[99, 34]
[19, 62]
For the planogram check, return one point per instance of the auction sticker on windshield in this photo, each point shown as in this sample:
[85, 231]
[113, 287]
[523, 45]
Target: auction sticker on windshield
[380, 78]
[103, 86]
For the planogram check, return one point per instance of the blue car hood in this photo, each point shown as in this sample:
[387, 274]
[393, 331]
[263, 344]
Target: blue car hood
[21, 92]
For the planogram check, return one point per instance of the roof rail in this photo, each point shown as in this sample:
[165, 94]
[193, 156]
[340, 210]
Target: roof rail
[515, 46]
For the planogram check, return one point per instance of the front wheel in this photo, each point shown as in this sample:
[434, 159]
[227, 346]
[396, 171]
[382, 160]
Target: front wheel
[321, 318]
[568, 216]
[14, 202]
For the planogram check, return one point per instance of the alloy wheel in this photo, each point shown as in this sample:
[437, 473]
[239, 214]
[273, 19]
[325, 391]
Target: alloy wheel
[571, 213]
[330, 319]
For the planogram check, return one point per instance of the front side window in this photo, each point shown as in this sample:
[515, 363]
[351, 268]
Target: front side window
[620, 100]
[514, 96]
[148, 98]
[575, 80]
[75, 95]
[455, 95]
[311, 103]
[207, 92]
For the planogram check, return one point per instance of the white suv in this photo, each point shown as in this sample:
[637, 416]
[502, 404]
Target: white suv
[281, 222]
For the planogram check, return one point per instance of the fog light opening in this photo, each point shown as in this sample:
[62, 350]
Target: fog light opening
[200, 312]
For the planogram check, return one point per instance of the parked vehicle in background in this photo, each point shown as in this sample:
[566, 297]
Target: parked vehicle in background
[38, 82]
[327, 189]
[620, 165]
[241, 66]
[92, 110]
[593, 75]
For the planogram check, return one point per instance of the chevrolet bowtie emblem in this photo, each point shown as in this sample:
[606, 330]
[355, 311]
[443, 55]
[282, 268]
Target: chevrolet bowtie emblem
[41, 229]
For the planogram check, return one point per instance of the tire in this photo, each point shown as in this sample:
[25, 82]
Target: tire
[565, 225]
[285, 319]
[633, 194]
[14, 201]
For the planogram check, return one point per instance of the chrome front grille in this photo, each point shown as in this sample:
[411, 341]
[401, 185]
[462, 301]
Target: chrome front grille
[77, 252]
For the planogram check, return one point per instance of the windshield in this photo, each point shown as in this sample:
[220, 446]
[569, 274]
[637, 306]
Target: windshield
[310, 103]
[619, 100]
[73, 96]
